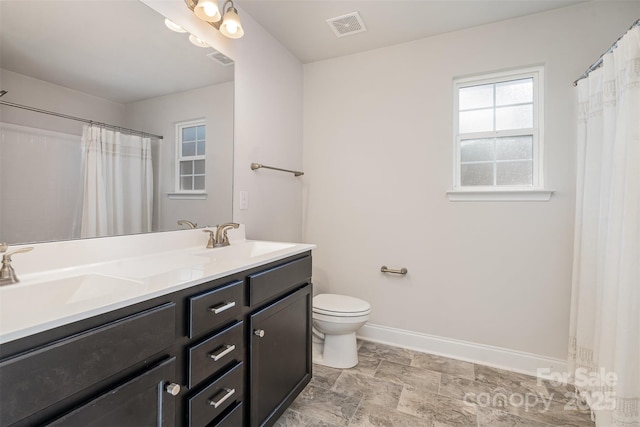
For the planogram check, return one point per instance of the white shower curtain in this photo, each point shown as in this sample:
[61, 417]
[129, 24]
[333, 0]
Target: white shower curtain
[118, 183]
[604, 351]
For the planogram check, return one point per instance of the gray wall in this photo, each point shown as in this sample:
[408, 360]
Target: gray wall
[379, 163]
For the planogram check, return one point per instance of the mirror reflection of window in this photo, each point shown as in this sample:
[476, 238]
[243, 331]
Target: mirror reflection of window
[191, 139]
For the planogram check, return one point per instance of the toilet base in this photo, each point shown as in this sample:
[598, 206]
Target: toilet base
[337, 351]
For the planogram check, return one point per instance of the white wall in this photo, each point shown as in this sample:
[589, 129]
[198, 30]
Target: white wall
[26, 90]
[40, 163]
[268, 123]
[160, 116]
[378, 162]
[40, 172]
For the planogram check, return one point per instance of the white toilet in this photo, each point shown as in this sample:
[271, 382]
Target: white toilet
[336, 318]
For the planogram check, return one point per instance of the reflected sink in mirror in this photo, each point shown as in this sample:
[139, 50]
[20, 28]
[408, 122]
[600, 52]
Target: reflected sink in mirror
[45, 299]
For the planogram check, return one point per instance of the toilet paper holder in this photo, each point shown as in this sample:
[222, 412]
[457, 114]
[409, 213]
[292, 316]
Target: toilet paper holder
[385, 269]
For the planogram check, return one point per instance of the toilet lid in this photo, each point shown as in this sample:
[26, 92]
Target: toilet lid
[332, 303]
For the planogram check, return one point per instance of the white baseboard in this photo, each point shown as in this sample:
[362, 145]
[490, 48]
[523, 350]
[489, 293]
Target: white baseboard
[503, 358]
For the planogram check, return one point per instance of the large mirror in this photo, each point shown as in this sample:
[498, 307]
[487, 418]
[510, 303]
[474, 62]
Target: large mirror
[117, 63]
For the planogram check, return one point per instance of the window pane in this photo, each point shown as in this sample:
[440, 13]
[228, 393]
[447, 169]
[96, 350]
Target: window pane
[515, 148]
[188, 134]
[200, 132]
[476, 97]
[477, 174]
[199, 167]
[198, 183]
[186, 183]
[514, 173]
[186, 168]
[201, 148]
[188, 149]
[514, 92]
[476, 150]
[476, 121]
[520, 117]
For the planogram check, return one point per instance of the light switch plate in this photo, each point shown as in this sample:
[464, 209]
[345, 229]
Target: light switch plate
[244, 200]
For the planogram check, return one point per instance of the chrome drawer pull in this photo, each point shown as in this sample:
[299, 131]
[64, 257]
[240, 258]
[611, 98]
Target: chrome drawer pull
[228, 394]
[224, 307]
[227, 349]
[258, 332]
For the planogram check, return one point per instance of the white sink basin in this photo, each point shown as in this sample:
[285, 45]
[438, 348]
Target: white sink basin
[46, 299]
[244, 250]
[146, 267]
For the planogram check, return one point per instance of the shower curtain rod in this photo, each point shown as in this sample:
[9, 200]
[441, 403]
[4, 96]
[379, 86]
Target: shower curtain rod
[78, 119]
[598, 62]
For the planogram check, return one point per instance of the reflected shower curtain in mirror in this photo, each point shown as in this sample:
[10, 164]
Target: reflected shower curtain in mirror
[118, 183]
[604, 354]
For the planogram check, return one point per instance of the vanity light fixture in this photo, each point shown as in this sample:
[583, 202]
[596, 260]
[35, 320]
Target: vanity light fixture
[227, 22]
[207, 10]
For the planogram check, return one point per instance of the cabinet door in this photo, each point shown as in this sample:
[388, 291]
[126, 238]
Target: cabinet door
[280, 347]
[44, 376]
[142, 401]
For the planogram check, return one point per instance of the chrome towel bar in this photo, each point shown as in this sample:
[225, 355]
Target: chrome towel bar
[255, 166]
[386, 269]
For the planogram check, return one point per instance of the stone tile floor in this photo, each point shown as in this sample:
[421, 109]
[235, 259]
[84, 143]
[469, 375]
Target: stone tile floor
[397, 387]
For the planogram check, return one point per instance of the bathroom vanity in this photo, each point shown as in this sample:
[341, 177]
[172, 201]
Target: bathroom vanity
[231, 347]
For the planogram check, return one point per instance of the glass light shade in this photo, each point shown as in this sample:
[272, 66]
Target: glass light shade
[231, 26]
[198, 42]
[207, 10]
[174, 27]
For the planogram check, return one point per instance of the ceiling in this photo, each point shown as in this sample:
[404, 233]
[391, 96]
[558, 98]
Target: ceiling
[117, 50]
[301, 26]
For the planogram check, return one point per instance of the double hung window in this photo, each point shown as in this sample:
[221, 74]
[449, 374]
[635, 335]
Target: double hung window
[191, 156]
[498, 131]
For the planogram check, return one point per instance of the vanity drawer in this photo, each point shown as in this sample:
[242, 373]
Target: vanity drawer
[47, 375]
[215, 308]
[216, 353]
[233, 419]
[211, 402]
[275, 281]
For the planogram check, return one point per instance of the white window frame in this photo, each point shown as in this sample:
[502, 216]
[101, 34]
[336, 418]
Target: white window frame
[179, 193]
[536, 190]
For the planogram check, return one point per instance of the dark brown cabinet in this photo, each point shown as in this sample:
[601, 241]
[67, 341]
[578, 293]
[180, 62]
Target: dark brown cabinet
[40, 378]
[280, 351]
[195, 357]
[145, 400]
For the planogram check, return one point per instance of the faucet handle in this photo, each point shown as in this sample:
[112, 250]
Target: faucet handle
[7, 255]
[212, 238]
[7, 274]
[223, 240]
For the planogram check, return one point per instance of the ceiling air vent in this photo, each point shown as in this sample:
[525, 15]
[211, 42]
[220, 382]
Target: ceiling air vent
[220, 58]
[348, 24]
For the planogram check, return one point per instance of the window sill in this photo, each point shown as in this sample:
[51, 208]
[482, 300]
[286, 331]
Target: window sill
[526, 195]
[187, 196]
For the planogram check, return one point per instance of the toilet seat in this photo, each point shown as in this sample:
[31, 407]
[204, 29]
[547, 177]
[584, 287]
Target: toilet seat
[340, 306]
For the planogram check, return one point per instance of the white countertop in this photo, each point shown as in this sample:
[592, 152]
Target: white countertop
[47, 299]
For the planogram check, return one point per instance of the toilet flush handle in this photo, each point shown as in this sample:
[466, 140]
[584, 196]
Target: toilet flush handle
[258, 332]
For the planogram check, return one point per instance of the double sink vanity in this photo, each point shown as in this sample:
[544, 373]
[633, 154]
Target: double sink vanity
[131, 336]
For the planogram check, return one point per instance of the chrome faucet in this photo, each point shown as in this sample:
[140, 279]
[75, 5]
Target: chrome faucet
[7, 273]
[187, 223]
[219, 238]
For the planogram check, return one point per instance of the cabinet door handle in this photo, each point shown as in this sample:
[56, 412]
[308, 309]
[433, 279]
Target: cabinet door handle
[224, 307]
[227, 349]
[258, 332]
[228, 392]
[172, 388]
